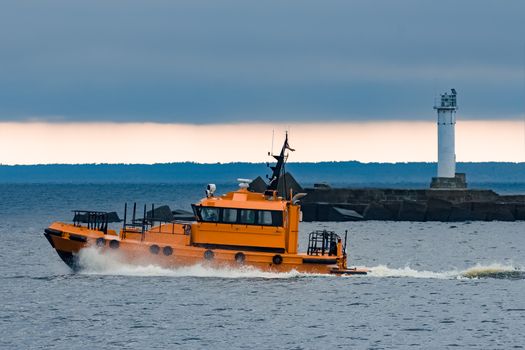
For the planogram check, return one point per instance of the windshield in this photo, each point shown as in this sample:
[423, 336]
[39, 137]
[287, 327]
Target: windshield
[239, 216]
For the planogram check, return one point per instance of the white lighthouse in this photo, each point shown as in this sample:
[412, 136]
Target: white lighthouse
[446, 124]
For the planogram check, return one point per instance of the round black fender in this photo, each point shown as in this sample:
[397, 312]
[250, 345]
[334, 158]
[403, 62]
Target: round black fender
[167, 250]
[209, 255]
[154, 249]
[101, 242]
[114, 244]
[240, 258]
[277, 259]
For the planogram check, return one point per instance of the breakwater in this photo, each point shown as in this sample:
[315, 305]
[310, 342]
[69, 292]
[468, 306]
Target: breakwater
[324, 203]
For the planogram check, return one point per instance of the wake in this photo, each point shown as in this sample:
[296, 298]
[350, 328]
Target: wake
[93, 262]
[494, 270]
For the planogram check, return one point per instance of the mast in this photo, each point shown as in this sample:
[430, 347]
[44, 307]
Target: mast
[278, 168]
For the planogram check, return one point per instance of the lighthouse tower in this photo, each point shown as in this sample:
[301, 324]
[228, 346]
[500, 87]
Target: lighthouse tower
[446, 123]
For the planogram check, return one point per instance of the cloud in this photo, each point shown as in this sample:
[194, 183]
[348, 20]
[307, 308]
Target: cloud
[225, 61]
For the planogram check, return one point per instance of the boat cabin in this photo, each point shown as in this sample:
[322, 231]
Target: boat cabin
[246, 220]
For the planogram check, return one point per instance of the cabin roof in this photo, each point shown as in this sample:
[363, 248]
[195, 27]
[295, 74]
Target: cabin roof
[243, 199]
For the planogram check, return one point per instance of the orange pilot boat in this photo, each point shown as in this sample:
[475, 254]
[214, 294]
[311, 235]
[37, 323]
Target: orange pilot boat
[231, 230]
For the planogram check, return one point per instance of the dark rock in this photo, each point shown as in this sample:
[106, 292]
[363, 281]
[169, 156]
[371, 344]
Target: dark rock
[309, 211]
[162, 213]
[501, 212]
[258, 185]
[394, 207]
[438, 210]
[357, 207]
[519, 213]
[376, 211]
[328, 195]
[493, 211]
[183, 215]
[341, 214]
[322, 186]
[412, 211]
[461, 212]
[323, 211]
[480, 210]
[286, 183]
[113, 217]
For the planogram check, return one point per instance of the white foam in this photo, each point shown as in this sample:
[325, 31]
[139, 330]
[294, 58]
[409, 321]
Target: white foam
[94, 262]
[477, 271]
[407, 271]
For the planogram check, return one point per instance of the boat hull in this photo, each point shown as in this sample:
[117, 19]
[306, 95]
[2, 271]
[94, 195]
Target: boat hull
[69, 240]
[66, 248]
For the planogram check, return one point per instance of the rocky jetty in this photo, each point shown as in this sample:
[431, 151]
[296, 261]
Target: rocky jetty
[412, 204]
[324, 203]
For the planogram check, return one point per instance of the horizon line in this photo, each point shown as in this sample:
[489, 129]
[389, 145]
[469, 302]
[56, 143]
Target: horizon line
[253, 163]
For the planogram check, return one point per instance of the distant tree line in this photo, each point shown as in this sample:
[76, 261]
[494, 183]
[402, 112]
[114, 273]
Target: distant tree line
[347, 173]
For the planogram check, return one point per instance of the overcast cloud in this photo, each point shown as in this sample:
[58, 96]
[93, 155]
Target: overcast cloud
[226, 61]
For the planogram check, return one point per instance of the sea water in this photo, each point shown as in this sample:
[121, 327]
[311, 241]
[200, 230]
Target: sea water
[432, 285]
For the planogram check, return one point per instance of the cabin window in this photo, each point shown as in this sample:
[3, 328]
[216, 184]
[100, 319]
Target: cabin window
[209, 214]
[229, 215]
[277, 218]
[264, 217]
[239, 216]
[247, 216]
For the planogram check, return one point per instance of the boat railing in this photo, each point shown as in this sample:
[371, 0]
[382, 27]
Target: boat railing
[94, 220]
[322, 242]
[155, 216]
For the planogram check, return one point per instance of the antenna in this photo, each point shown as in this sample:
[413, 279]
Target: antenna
[273, 134]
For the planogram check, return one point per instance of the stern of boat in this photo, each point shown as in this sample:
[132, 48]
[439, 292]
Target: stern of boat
[327, 247]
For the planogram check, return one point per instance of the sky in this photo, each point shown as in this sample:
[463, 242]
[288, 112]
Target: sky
[272, 63]
[149, 143]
